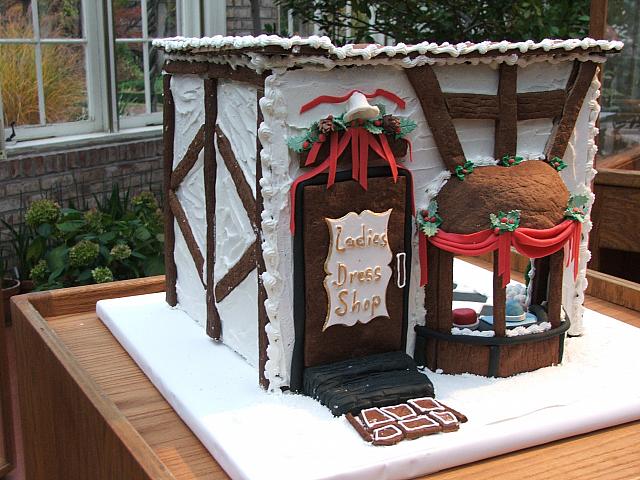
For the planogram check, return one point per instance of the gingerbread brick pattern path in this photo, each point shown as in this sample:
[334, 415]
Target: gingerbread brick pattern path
[77, 173]
[418, 417]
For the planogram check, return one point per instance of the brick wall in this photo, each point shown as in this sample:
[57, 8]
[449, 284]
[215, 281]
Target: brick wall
[239, 16]
[76, 174]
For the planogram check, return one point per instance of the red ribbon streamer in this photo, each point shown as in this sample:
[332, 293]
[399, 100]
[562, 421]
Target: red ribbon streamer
[331, 99]
[361, 141]
[530, 242]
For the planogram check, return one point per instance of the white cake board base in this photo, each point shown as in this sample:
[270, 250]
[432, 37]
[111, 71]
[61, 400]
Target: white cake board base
[256, 435]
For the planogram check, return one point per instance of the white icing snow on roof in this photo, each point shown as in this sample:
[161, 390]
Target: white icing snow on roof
[182, 44]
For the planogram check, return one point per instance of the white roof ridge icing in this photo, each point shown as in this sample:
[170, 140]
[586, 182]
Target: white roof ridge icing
[183, 44]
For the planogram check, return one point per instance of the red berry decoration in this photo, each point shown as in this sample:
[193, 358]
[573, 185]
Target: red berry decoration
[511, 161]
[425, 214]
[511, 221]
[503, 220]
[306, 144]
[377, 123]
[496, 230]
[432, 219]
[465, 171]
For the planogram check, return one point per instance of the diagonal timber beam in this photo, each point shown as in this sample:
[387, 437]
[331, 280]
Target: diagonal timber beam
[187, 233]
[242, 186]
[189, 160]
[236, 274]
[429, 94]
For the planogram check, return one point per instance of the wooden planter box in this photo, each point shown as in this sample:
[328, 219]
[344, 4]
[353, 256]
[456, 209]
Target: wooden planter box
[88, 411]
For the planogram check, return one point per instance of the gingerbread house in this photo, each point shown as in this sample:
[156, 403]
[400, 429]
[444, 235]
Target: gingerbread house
[318, 194]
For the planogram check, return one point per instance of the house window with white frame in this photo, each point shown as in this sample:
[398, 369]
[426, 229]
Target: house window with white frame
[73, 67]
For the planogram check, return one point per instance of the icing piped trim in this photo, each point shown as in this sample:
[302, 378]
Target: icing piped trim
[219, 42]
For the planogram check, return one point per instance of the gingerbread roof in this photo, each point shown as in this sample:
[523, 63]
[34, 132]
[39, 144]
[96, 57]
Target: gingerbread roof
[533, 187]
[322, 46]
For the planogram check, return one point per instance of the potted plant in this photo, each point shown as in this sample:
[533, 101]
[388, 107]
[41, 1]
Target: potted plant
[20, 238]
[10, 287]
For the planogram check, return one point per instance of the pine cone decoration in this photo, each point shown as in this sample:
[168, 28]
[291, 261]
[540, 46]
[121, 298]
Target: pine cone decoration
[326, 125]
[391, 124]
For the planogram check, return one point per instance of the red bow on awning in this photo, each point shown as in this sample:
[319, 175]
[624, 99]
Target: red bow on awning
[530, 242]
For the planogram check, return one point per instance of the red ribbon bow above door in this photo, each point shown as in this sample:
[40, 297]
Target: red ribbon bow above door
[357, 136]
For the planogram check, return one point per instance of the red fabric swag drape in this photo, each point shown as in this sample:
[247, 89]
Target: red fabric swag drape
[530, 242]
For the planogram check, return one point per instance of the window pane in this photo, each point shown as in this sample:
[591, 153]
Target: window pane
[620, 117]
[130, 77]
[161, 18]
[60, 18]
[127, 18]
[65, 83]
[156, 59]
[19, 85]
[15, 19]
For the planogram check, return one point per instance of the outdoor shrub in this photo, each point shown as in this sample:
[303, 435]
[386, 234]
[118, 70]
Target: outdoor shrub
[121, 238]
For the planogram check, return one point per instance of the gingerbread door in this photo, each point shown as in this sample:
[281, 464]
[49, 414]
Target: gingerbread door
[352, 266]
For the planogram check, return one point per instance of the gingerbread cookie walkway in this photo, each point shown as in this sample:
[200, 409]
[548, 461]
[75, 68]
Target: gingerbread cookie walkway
[416, 418]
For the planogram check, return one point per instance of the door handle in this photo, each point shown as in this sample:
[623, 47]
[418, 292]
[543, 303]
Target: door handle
[401, 265]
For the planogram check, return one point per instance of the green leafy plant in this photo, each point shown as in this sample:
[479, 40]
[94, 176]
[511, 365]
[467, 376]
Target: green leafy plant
[20, 238]
[413, 21]
[121, 238]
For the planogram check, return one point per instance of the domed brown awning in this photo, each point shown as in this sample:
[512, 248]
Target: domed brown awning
[533, 187]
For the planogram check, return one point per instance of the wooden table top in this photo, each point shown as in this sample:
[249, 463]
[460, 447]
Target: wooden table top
[610, 453]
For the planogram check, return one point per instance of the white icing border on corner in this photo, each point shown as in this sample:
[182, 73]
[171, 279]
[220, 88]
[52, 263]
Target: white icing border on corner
[274, 184]
[574, 291]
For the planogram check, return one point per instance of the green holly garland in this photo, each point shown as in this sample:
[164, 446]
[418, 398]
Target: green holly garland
[577, 208]
[510, 160]
[505, 222]
[319, 131]
[557, 163]
[428, 219]
[463, 170]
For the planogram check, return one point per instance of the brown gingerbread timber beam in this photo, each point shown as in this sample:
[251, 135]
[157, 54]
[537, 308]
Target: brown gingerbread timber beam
[237, 273]
[215, 70]
[242, 186]
[434, 106]
[531, 105]
[472, 106]
[210, 168]
[187, 233]
[189, 160]
[506, 129]
[168, 129]
[263, 319]
[577, 89]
